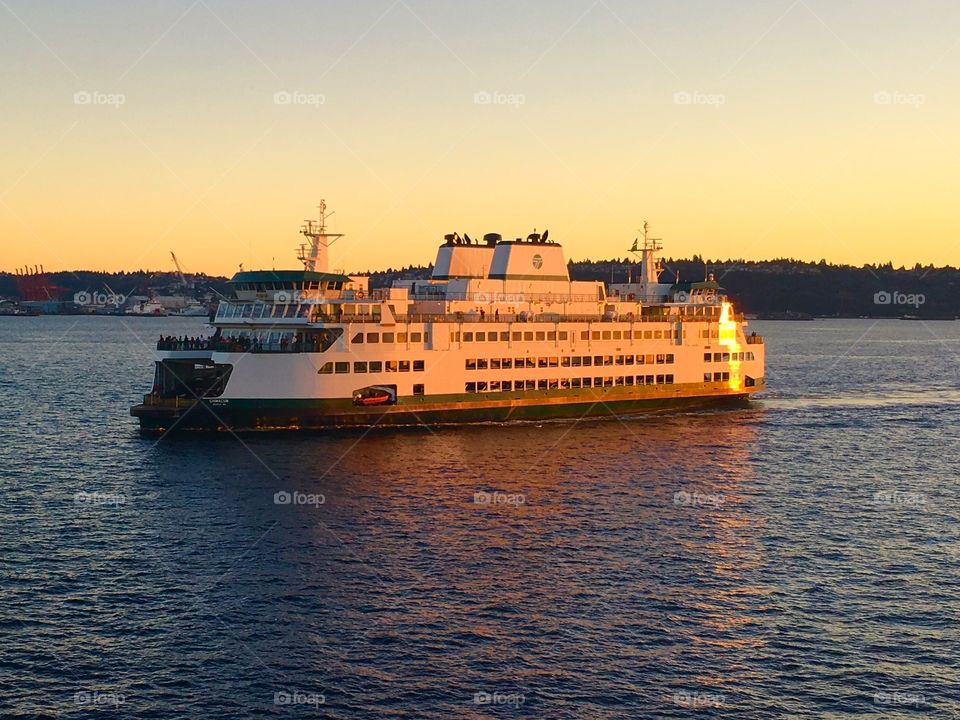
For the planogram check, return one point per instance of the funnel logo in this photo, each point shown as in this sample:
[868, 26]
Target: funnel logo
[538, 261]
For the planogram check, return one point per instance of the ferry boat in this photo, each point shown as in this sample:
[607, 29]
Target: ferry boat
[499, 332]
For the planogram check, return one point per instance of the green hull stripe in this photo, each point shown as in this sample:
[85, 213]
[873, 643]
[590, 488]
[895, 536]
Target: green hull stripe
[536, 405]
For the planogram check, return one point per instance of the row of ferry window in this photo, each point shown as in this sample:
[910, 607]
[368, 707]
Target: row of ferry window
[568, 361]
[716, 377]
[389, 337]
[727, 357]
[562, 335]
[374, 366]
[568, 383]
[263, 310]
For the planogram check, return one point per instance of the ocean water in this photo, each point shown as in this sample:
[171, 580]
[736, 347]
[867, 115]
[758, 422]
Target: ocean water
[798, 559]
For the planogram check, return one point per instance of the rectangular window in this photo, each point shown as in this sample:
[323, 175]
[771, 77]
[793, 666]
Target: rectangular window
[618, 360]
[648, 334]
[528, 336]
[598, 382]
[481, 337]
[494, 363]
[707, 377]
[418, 365]
[707, 357]
[541, 362]
[576, 361]
[481, 387]
[584, 335]
[404, 366]
[659, 379]
[553, 362]
[373, 338]
[619, 381]
[326, 369]
[649, 359]
[565, 383]
[471, 364]
[576, 383]
[606, 334]
[494, 386]
[506, 363]
[391, 365]
[668, 379]
[716, 357]
[639, 379]
[617, 335]
[530, 384]
[518, 384]
[517, 336]
[661, 359]
[725, 357]
[726, 376]
[669, 359]
[376, 366]
[416, 337]
[608, 382]
[505, 385]
[342, 367]
[552, 335]
[565, 361]
[359, 367]
[541, 384]
[401, 338]
[649, 379]
[629, 359]
[587, 361]
[504, 337]
[541, 335]
[564, 335]
[608, 359]
[587, 382]
[531, 362]
[597, 360]
[717, 376]
[388, 337]
[595, 334]
[468, 337]
[482, 364]
[553, 383]
[418, 390]
[471, 387]
[629, 380]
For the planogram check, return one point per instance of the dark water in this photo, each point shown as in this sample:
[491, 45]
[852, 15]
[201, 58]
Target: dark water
[799, 559]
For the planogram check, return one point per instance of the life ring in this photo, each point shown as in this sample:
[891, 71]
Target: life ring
[359, 294]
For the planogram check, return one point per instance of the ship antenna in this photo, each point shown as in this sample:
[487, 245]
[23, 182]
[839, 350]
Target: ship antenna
[314, 255]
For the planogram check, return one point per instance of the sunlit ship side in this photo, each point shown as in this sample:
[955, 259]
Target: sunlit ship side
[499, 332]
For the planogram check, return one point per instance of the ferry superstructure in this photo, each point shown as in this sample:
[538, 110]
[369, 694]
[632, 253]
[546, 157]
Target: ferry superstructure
[499, 332]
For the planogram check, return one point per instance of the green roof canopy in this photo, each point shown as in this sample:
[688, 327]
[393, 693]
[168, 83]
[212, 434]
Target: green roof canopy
[284, 276]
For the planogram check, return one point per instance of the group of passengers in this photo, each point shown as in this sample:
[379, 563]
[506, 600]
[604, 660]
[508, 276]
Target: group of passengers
[171, 342]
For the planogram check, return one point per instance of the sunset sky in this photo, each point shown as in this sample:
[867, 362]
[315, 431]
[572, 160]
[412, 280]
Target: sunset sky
[798, 128]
